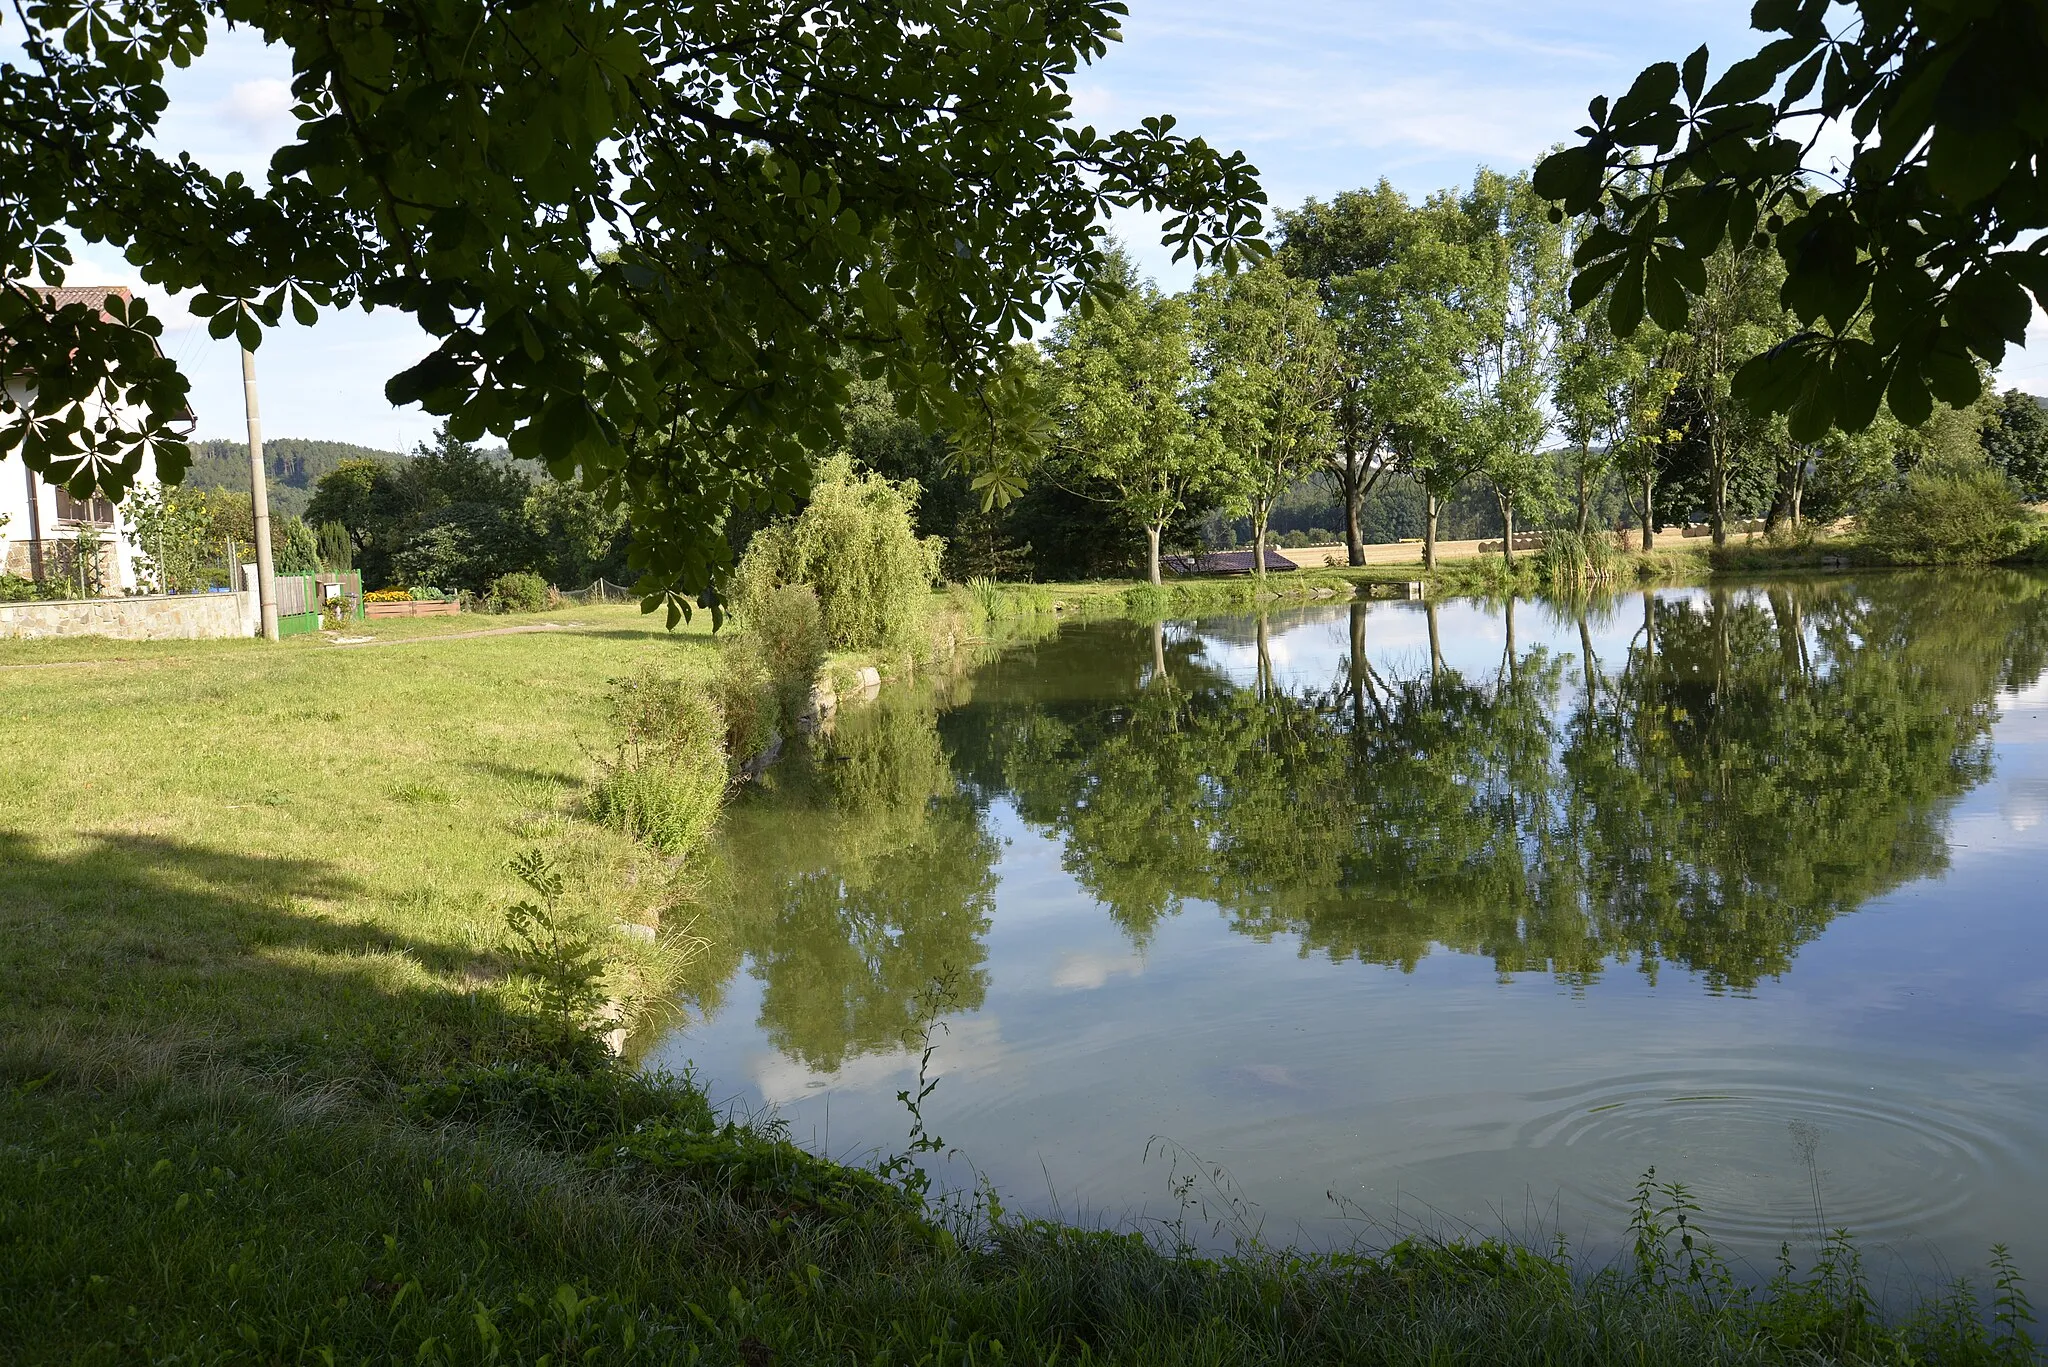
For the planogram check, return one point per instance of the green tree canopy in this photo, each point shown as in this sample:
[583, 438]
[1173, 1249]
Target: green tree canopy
[643, 235]
[2016, 438]
[452, 516]
[1389, 284]
[1269, 380]
[1125, 377]
[1908, 261]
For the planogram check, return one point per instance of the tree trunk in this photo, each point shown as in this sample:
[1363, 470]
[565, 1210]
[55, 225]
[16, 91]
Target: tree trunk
[1261, 511]
[1152, 552]
[1649, 510]
[1265, 660]
[1585, 494]
[1357, 666]
[1507, 525]
[1587, 665]
[1354, 540]
[1717, 482]
[1508, 613]
[1429, 529]
[1798, 492]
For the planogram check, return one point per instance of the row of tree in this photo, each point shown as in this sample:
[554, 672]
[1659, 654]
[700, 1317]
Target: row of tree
[1407, 358]
[1396, 352]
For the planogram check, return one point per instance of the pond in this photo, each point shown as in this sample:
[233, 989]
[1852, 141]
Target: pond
[1350, 921]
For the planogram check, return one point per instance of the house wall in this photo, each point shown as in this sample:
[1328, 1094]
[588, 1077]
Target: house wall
[145, 617]
[118, 548]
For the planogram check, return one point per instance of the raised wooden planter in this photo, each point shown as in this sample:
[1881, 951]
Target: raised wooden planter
[447, 609]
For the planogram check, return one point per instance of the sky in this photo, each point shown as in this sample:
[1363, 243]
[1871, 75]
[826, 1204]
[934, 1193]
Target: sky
[1322, 95]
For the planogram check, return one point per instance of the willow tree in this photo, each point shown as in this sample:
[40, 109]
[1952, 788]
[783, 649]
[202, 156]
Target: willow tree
[644, 236]
[1269, 379]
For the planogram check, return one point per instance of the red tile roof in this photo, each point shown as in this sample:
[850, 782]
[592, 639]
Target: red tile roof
[91, 295]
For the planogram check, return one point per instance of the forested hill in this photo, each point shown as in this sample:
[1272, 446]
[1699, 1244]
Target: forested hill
[296, 464]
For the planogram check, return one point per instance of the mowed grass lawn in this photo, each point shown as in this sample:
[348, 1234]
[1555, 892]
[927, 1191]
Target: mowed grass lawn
[297, 853]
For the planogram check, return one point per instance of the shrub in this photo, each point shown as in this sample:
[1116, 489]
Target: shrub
[388, 596]
[15, 588]
[856, 546]
[746, 698]
[557, 956]
[668, 776]
[519, 591]
[337, 552]
[293, 547]
[787, 625]
[1949, 509]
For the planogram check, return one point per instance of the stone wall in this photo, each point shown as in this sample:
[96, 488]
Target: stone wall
[153, 617]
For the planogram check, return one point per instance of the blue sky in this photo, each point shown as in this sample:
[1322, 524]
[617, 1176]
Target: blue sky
[1323, 95]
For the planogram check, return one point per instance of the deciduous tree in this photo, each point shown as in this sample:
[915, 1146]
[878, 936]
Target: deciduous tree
[643, 235]
[1269, 363]
[1125, 380]
[1908, 258]
[2016, 440]
[1387, 280]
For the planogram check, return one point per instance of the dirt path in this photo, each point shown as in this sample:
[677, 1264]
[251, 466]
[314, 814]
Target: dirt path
[350, 642]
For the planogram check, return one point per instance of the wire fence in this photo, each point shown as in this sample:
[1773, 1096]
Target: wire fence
[600, 592]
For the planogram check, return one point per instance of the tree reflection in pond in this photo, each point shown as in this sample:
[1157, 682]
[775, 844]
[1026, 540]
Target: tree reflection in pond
[1756, 764]
[1742, 768]
[858, 878]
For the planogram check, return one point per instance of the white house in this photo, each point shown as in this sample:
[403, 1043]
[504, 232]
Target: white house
[40, 524]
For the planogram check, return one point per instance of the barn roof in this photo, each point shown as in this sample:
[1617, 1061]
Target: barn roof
[1226, 562]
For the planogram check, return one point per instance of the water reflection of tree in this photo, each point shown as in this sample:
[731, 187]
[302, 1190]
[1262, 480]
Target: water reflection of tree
[858, 878]
[1755, 765]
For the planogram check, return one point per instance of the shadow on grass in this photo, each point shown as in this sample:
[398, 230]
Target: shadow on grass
[272, 960]
[526, 773]
[653, 631]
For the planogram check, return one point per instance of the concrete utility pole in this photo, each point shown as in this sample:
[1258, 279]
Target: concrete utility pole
[259, 501]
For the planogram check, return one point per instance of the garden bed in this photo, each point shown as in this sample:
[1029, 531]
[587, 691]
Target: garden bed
[412, 609]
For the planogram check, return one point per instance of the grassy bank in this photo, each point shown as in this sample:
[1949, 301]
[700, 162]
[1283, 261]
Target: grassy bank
[273, 1089]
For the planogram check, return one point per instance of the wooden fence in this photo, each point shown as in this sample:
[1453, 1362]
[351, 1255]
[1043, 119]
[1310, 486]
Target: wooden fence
[302, 598]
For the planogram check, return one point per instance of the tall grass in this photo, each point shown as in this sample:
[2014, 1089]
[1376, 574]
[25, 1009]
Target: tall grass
[1569, 560]
[666, 780]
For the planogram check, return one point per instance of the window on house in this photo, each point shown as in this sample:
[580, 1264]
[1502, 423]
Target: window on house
[96, 510]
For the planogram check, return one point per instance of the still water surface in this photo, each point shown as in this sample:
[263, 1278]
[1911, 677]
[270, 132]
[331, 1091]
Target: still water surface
[1454, 917]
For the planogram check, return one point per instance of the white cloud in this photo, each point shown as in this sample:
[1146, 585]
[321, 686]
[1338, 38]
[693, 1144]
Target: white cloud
[969, 1046]
[1086, 970]
[258, 105]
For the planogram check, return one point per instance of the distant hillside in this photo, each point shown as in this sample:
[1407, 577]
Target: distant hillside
[296, 465]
